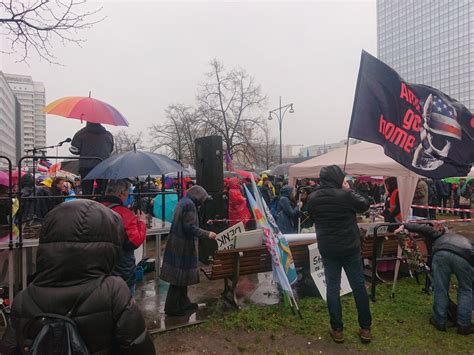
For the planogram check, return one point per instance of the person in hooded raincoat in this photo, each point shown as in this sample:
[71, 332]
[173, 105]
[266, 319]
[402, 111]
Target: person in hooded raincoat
[180, 262]
[237, 209]
[80, 242]
[288, 211]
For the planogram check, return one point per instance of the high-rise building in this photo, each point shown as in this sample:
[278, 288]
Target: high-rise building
[31, 95]
[11, 139]
[430, 42]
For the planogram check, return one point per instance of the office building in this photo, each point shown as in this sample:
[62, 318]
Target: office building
[431, 43]
[31, 95]
[11, 138]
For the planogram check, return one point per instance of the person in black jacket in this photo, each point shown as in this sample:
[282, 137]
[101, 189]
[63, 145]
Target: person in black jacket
[92, 141]
[31, 207]
[80, 241]
[333, 207]
[452, 254]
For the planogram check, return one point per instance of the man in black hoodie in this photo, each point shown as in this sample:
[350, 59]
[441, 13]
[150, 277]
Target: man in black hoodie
[452, 254]
[333, 207]
[91, 141]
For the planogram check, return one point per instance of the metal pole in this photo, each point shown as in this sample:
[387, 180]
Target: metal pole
[280, 119]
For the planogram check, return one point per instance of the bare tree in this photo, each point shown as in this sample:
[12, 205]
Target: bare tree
[34, 25]
[178, 132]
[126, 142]
[267, 153]
[230, 105]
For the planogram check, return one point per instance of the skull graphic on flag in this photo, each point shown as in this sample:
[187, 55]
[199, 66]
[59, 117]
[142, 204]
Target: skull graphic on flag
[439, 126]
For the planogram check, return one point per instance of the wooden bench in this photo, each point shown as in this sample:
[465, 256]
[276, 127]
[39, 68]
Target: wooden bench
[230, 264]
[383, 247]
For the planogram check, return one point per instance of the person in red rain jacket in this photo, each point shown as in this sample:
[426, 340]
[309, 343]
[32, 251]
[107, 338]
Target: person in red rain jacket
[115, 195]
[237, 209]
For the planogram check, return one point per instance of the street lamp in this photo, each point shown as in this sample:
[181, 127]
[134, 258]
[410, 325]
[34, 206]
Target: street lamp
[279, 113]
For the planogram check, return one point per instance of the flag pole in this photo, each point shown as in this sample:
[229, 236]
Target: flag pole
[353, 107]
[347, 152]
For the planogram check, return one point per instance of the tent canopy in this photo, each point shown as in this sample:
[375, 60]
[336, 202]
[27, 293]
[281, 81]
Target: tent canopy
[363, 159]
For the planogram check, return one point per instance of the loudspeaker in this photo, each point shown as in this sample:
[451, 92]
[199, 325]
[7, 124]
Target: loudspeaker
[210, 175]
[209, 164]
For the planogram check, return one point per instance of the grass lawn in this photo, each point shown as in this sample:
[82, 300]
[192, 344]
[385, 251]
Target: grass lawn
[400, 325]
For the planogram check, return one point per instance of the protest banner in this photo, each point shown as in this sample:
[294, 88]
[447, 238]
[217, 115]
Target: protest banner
[419, 126]
[226, 239]
[317, 273]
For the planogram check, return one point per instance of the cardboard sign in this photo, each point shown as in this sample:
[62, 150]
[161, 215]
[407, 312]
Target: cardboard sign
[317, 272]
[226, 239]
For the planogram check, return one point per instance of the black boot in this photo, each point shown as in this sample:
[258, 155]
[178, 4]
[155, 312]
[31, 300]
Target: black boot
[172, 304]
[185, 302]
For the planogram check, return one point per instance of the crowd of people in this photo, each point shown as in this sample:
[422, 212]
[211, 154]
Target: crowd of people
[73, 226]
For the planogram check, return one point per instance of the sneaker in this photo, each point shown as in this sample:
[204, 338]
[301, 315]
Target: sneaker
[441, 328]
[365, 335]
[466, 330]
[337, 335]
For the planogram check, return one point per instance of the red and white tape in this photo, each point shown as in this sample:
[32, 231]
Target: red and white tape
[451, 209]
[443, 208]
[440, 220]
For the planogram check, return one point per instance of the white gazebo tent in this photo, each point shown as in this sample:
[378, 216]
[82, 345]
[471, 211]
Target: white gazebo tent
[363, 159]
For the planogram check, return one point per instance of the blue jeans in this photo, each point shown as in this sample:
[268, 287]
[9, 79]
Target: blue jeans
[446, 263]
[353, 267]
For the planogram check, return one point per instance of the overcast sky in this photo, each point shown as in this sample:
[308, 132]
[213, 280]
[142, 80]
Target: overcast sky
[147, 55]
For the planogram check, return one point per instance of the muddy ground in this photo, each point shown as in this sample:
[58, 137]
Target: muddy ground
[179, 335]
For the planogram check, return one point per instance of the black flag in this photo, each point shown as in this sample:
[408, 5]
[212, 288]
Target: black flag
[420, 127]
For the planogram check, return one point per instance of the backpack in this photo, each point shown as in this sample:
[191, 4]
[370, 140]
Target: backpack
[50, 333]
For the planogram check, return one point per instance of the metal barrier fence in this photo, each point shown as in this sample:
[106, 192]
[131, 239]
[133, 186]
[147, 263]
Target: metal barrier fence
[18, 243]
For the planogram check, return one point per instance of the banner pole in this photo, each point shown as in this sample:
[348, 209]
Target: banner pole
[354, 106]
[347, 152]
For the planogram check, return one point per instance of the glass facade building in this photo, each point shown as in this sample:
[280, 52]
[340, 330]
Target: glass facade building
[430, 42]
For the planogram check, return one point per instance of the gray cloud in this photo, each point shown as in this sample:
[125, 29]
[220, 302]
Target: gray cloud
[146, 55]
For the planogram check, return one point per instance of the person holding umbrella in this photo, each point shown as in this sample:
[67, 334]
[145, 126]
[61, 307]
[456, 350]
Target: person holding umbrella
[180, 262]
[92, 141]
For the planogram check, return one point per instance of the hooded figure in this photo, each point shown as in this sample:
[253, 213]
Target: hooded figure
[237, 209]
[80, 241]
[333, 208]
[180, 261]
[287, 211]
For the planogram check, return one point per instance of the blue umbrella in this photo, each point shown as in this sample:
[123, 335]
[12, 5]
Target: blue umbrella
[131, 164]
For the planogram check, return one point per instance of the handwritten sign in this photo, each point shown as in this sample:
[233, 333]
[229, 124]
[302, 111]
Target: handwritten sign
[226, 239]
[317, 272]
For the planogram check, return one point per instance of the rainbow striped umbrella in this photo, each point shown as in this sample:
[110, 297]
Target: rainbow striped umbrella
[86, 109]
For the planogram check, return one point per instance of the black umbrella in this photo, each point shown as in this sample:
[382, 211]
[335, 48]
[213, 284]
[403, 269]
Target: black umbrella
[133, 164]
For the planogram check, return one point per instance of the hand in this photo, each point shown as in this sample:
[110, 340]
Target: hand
[212, 235]
[345, 185]
[299, 204]
[399, 230]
